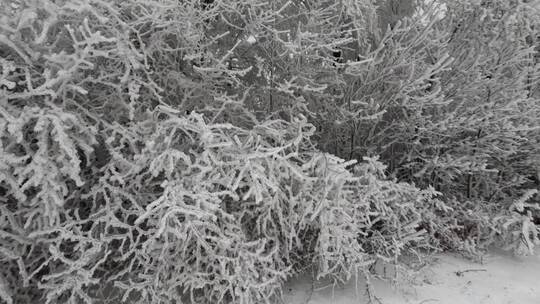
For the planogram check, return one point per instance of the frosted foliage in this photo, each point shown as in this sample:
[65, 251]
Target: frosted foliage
[247, 209]
[207, 151]
[228, 218]
[450, 103]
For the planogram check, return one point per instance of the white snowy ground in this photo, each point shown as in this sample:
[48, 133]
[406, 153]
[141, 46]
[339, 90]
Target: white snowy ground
[501, 279]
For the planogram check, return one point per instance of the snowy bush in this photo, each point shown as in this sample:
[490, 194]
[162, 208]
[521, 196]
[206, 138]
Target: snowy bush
[449, 99]
[209, 211]
[205, 151]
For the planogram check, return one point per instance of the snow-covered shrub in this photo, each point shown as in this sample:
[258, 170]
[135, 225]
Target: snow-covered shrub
[242, 210]
[481, 146]
[167, 151]
[110, 192]
[450, 103]
[211, 212]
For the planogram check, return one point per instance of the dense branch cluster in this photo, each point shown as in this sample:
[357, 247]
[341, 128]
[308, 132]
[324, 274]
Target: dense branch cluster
[187, 151]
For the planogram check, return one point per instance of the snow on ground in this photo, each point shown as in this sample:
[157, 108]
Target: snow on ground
[501, 279]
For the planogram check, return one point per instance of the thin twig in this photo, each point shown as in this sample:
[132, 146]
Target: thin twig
[460, 273]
